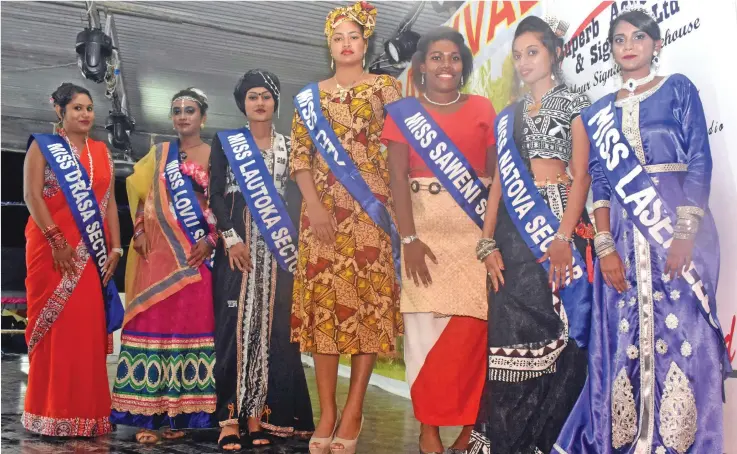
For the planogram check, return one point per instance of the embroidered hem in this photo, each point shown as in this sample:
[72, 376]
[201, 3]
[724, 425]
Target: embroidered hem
[66, 427]
[228, 422]
[284, 432]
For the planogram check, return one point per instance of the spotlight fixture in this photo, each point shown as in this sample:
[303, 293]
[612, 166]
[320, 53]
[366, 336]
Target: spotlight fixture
[119, 127]
[401, 47]
[93, 47]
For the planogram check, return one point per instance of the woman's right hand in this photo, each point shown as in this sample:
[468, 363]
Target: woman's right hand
[64, 260]
[240, 257]
[414, 262]
[140, 245]
[323, 223]
[494, 267]
[612, 269]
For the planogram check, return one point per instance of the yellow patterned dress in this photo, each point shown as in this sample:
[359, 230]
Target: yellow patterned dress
[346, 297]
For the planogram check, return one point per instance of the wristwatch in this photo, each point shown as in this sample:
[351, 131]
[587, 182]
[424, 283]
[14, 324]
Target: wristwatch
[408, 239]
[118, 250]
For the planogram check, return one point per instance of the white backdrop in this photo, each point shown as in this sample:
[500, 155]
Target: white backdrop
[698, 42]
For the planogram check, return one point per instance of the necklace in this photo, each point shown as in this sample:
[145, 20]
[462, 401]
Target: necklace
[442, 103]
[343, 91]
[77, 156]
[183, 151]
[631, 84]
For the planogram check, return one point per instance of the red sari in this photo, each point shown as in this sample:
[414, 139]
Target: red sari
[68, 393]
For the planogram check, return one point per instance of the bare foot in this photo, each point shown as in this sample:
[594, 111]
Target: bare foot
[172, 434]
[463, 439]
[230, 430]
[147, 437]
[430, 441]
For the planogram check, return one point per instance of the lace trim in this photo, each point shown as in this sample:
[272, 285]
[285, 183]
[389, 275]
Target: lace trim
[602, 204]
[678, 411]
[624, 413]
[642, 96]
[665, 168]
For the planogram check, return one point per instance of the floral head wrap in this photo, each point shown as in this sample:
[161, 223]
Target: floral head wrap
[362, 13]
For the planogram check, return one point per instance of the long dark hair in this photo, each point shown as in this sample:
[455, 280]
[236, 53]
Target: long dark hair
[433, 36]
[552, 42]
[64, 95]
[640, 20]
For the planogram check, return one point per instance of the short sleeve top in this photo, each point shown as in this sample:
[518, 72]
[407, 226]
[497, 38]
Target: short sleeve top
[470, 128]
[547, 135]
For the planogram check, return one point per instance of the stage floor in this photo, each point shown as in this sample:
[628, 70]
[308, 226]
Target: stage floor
[390, 427]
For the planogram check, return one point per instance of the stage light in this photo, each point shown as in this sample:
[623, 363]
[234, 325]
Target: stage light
[93, 49]
[401, 47]
[119, 126]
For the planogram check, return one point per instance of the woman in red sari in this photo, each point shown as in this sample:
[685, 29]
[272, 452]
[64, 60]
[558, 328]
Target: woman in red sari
[68, 393]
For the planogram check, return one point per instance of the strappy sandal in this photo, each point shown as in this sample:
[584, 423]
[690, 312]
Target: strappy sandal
[230, 440]
[143, 433]
[260, 435]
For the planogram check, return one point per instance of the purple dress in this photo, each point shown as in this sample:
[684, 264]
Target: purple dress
[655, 370]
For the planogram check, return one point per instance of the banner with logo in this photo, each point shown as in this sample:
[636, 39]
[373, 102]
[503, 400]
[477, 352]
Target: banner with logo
[693, 35]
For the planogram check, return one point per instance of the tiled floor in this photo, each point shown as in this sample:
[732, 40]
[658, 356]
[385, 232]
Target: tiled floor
[389, 428]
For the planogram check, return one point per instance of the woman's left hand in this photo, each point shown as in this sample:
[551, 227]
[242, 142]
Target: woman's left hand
[200, 251]
[679, 257]
[109, 267]
[561, 262]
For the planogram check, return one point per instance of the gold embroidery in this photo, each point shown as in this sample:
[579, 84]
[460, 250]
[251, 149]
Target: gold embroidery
[624, 414]
[665, 168]
[677, 411]
[602, 204]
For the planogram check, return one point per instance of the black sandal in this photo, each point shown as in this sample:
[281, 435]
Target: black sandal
[230, 440]
[260, 435]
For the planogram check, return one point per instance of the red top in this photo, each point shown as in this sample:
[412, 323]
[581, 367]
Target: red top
[470, 128]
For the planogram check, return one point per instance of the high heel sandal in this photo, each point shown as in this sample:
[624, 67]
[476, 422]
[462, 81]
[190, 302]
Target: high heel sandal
[323, 443]
[349, 446]
[419, 444]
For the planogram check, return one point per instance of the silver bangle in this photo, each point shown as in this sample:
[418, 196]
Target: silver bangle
[561, 237]
[485, 247]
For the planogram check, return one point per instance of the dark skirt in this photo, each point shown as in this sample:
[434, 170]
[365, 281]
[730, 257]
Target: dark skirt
[252, 335]
[522, 411]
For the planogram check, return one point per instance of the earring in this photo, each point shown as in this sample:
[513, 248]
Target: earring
[363, 64]
[461, 80]
[332, 64]
[423, 79]
[552, 76]
[656, 61]
[202, 125]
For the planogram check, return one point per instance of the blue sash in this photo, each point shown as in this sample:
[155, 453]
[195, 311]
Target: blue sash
[328, 145]
[264, 202]
[441, 156]
[648, 211]
[537, 225]
[86, 212]
[184, 200]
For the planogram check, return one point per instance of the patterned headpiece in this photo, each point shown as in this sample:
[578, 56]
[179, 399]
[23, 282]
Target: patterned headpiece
[257, 78]
[635, 6]
[362, 13]
[202, 96]
[558, 26]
